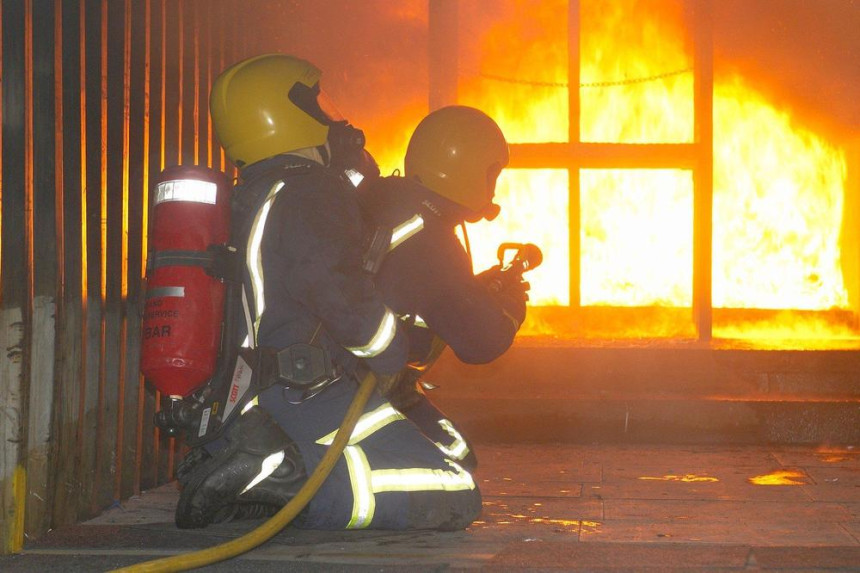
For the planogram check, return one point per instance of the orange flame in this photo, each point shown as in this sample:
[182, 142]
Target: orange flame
[779, 477]
[778, 187]
[686, 478]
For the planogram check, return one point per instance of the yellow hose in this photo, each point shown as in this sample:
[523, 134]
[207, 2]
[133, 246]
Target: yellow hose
[287, 513]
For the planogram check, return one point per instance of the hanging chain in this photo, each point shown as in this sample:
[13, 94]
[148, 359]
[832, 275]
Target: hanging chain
[586, 84]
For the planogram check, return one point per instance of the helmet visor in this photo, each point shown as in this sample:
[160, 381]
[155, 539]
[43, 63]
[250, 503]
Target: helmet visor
[315, 102]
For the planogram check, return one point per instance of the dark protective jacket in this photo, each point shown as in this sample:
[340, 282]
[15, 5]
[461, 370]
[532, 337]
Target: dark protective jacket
[304, 259]
[428, 273]
[306, 249]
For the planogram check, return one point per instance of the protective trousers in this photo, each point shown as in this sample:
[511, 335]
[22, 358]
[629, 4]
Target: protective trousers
[390, 476]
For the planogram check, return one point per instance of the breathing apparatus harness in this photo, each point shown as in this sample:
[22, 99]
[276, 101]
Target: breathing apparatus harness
[244, 370]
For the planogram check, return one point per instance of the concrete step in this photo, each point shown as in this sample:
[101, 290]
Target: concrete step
[654, 392]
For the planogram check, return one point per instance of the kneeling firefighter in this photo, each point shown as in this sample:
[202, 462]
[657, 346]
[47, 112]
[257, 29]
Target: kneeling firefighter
[310, 301]
[452, 162]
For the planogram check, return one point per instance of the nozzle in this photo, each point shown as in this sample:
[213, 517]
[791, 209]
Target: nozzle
[528, 255]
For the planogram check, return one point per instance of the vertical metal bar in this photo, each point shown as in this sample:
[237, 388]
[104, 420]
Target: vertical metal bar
[703, 178]
[59, 157]
[574, 214]
[222, 27]
[123, 332]
[13, 485]
[144, 228]
[163, 110]
[29, 144]
[21, 478]
[1, 153]
[103, 210]
[195, 108]
[68, 384]
[163, 135]
[443, 52]
[16, 209]
[28, 178]
[84, 338]
[210, 138]
[43, 283]
[58, 419]
[180, 67]
[180, 147]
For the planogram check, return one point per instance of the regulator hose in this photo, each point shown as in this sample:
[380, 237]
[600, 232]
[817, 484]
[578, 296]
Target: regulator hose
[277, 522]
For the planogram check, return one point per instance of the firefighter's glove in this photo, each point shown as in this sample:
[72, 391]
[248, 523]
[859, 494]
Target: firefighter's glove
[406, 392]
[400, 389]
[491, 278]
[385, 383]
[513, 301]
[498, 281]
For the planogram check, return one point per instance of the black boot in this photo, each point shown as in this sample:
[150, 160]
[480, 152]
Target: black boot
[223, 487]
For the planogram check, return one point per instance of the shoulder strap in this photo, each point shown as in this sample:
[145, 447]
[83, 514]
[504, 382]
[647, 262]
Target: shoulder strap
[249, 198]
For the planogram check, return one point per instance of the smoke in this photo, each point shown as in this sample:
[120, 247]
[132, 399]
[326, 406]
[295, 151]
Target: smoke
[374, 53]
[805, 52]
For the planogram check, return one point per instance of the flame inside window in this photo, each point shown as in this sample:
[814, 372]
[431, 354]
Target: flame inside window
[778, 197]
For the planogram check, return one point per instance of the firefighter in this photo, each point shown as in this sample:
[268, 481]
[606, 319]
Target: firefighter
[452, 163]
[305, 285]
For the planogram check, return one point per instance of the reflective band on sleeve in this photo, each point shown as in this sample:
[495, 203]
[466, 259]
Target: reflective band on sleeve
[380, 341]
[254, 258]
[405, 230]
[458, 448]
[190, 190]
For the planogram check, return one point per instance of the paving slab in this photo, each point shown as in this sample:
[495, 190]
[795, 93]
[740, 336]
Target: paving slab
[547, 507]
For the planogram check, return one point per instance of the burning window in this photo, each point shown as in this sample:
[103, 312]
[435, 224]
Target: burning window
[625, 235]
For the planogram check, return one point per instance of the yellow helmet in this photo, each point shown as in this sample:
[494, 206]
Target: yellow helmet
[267, 105]
[458, 152]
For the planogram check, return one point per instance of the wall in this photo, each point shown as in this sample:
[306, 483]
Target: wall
[97, 97]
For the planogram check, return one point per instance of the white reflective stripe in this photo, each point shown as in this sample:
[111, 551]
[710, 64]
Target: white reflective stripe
[405, 230]
[251, 403]
[366, 483]
[254, 258]
[367, 424]
[250, 338]
[354, 177]
[363, 500]
[380, 341]
[190, 190]
[514, 320]
[416, 321]
[422, 479]
[270, 464]
[458, 448]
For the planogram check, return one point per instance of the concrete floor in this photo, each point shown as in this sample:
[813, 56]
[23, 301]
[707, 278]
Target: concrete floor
[546, 507]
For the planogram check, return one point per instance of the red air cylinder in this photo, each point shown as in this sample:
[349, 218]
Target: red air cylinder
[184, 307]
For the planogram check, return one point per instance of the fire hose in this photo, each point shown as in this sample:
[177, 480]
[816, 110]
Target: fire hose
[277, 522]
